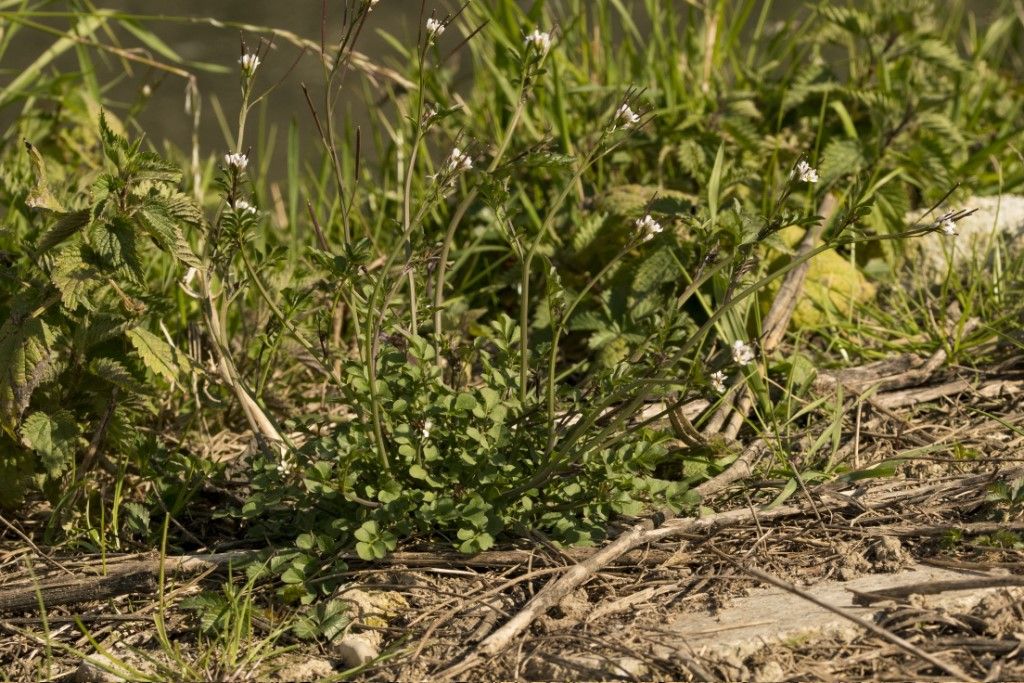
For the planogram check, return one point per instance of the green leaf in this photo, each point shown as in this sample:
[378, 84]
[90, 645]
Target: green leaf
[16, 467]
[75, 279]
[159, 356]
[465, 402]
[26, 362]
[155, 220]
[66, 225]
[54, 437]
[661, 266]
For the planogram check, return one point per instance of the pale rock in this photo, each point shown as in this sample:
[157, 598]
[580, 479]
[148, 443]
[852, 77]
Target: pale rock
[1001, 215]
[357, 649]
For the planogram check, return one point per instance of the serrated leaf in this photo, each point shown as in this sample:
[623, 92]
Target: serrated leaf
[25, 362]
[661, 266]
[54, 437]
[157, 222]
[65, 226]
[15, 473]
[840, 158]
[157, 355]
[74, 278]
[114, 372]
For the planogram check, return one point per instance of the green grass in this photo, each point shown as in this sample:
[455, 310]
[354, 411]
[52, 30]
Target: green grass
[454, 355]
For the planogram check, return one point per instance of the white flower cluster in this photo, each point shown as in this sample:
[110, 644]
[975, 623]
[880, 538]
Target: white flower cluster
[285, 466]
[626, 117]
[239, 161]
[434, 29]
[373, 3]
[948, 227]
[805, 172]
[425, 432]
[458, 162]
[648, 227]
[244, 207]
[718, 381]
[742, 353]
[249, 63]
[540, 40]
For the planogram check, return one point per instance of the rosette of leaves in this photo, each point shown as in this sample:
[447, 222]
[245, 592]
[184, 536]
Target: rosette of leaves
[77, 357]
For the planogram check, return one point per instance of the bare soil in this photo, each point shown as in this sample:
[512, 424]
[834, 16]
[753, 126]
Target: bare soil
[935, 559]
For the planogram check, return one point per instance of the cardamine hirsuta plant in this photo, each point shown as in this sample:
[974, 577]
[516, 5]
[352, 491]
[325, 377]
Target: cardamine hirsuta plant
[479, 317]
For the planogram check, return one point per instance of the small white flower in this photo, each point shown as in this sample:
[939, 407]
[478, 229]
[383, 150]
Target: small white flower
[742, 352]
[239, 161]
[458, 161]
[434, 29]
[948, 227]
[718, 381]
[540, 40]
[249, 63]
[626, 117]
[806, 172]
[242, 206]
[427, 425]
[373, 3]
[648, 227]
[284, 467]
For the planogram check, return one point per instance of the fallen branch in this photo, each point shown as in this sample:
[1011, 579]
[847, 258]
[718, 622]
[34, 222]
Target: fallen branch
[934, 587]
[118, 578]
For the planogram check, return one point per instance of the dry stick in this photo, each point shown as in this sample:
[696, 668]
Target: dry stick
[904, 645]
[121, 578]
[934, 587]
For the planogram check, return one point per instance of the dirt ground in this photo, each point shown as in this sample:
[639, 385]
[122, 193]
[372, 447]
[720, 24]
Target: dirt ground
[640, 616]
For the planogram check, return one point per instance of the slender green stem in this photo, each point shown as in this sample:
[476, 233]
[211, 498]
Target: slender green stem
[556, 334]
[456, 220]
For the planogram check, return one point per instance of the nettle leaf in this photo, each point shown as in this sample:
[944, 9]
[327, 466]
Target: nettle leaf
[54, 437]
[156, 220]
[114, 372]
[75, 279]
[840, 158]
[157, 355]
[16, 468]
[114, 242]
[152, 167]
[181, 206]
[26, 359]
[661, 266]
[66, 225]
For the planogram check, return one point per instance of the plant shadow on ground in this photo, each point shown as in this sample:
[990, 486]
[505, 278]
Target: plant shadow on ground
[669, 284]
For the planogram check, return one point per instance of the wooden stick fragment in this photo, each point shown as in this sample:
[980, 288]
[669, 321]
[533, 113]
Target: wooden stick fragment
[120, 578]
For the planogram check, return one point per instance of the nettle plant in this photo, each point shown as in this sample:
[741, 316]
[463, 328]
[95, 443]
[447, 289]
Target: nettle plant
[76, 341]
